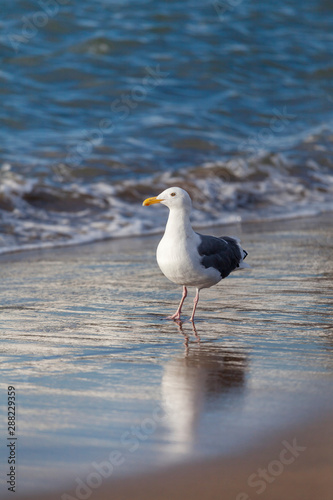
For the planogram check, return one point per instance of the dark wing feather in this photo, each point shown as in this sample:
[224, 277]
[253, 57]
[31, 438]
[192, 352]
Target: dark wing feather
[224, 254]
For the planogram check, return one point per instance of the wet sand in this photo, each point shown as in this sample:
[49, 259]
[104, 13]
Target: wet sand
[303, 472]
[87, 348]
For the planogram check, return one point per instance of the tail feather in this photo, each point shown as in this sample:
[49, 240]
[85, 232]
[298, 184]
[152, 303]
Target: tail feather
[244, 254]
[244, 265]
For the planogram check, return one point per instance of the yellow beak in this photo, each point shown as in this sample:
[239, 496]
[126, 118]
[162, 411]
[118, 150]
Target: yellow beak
[151, 201]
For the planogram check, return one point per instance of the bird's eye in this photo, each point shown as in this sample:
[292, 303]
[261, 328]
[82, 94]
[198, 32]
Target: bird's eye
[173, 194]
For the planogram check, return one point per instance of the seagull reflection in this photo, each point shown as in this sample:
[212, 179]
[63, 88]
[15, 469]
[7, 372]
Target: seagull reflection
[206, 378]
[186, 336]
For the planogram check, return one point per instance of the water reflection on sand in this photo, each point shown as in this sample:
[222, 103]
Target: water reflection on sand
[198, 380]
[98, 369]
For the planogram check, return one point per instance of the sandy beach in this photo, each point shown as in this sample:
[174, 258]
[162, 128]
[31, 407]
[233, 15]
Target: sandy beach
[91, 357]
[304, 472]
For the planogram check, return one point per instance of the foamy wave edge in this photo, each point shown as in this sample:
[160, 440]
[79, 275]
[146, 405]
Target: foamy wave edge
[233, 192]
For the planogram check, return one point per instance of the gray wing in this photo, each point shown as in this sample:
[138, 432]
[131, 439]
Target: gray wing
[224, 254]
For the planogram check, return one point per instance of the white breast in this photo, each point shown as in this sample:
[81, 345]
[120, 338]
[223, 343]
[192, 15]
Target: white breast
[179, 261]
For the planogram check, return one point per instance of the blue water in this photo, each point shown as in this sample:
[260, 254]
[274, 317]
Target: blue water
[105, 103]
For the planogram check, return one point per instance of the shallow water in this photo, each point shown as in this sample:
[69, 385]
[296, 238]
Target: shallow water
[105, 103]
[97, 369]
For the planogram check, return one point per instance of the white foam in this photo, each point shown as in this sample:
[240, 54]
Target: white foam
[222, 192]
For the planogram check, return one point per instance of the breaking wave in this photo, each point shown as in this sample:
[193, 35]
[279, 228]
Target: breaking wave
[39, 213]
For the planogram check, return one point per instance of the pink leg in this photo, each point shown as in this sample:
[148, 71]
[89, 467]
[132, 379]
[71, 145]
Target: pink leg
[196, 300]
[179, 310]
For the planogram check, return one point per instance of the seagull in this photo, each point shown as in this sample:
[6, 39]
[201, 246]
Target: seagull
[188, 258]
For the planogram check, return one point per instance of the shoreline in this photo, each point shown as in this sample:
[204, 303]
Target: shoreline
[267, 222]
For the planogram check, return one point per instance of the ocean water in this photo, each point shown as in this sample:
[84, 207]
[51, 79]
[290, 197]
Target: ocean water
[105, 103]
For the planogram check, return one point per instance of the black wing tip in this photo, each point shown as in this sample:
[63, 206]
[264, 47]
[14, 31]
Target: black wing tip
[246, 254]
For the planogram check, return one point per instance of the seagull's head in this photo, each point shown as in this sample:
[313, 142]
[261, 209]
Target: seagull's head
[173, 197]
